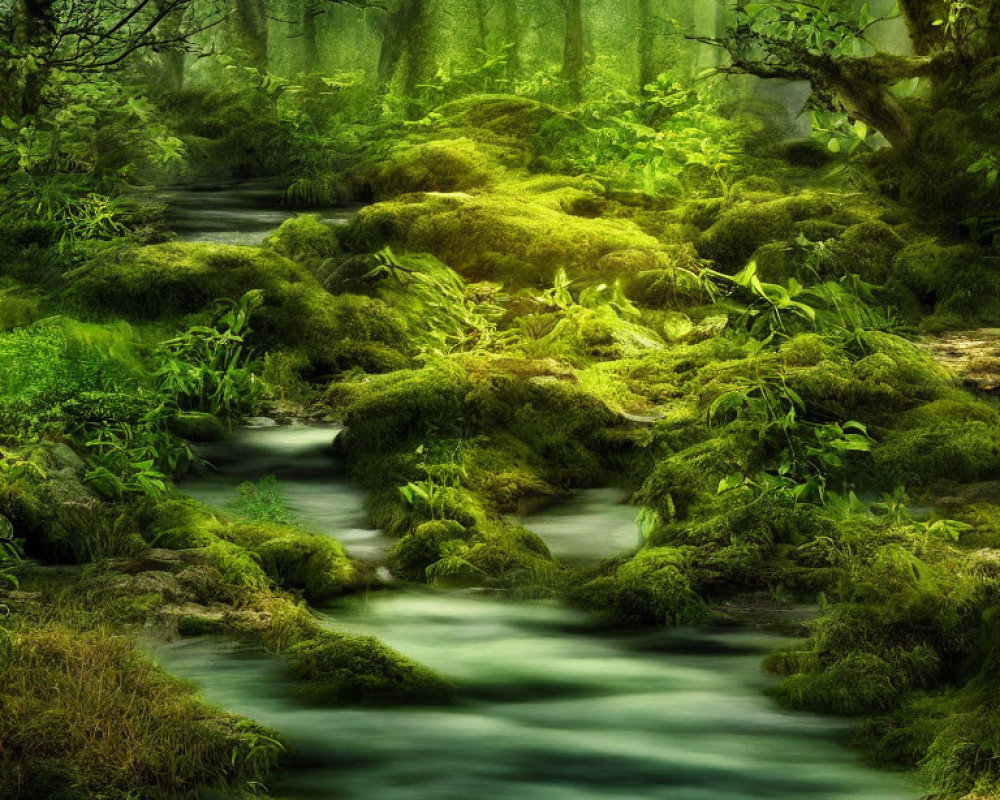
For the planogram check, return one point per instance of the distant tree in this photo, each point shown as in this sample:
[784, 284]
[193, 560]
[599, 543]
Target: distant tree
[247, 31]
[512, 37]
[40, 37]
[646, 44]
[573, 50]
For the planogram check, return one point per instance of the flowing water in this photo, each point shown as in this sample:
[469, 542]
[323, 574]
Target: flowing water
[241, 213]
[549, 708]
[312, 481]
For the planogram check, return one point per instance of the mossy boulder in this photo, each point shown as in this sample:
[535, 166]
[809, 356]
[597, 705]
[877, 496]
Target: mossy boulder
[647, 589]
[339, 668]
[197, 427]
[295, 559]
[867, 249]
[306, 240]
[415, 552]
[415, 405]
[468, 233]
[505, 115]
[172, 281]
[443, 165]
[739, 232]
[956, 440]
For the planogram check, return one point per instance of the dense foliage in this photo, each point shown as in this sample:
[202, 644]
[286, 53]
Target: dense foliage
[698, 267]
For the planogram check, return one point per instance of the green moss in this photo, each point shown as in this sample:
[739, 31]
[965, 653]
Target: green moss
[739, 232]
[461, 229]
[306, 240]
[806, 350]
[87, 715]
[868, 249]
[649, 589]
[954, 440]
[897, 375]
[415, 552]
[337, 668]
[295, 559]
[196, 625]
[956, 280]
[173, 280]
[445, 165]
[197, 427]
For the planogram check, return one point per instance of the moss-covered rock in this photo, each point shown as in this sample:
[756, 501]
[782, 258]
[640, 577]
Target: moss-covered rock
[462, 230]
[197, 427]
[306, 240]
[444, 165]
[648, 589]
[174, 280]
[338, 668]
[739, 232]
[415, 552]
[867, 249]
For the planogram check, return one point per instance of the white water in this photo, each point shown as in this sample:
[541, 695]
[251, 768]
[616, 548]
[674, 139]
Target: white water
[549, 708]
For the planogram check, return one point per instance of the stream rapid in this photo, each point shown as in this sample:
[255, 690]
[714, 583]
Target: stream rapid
[550, 707]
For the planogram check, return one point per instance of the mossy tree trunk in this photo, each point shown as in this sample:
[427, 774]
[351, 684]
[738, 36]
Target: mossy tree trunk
[397, 26]
[482, 9]
[573, 50]
[419, 58]
[920, 16]
[30, 28]
[310, 37]
[512, 38]
[646, 44]
[247, 32]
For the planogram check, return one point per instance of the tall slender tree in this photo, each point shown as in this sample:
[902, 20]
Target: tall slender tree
[512, 38]
[247, 34]
[573, 50]
[646, 45]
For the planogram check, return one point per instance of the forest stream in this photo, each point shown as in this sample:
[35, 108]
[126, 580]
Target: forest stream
[490, 399]
[549, 705]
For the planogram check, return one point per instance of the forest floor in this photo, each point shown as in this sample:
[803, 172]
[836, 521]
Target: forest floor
[497, 331]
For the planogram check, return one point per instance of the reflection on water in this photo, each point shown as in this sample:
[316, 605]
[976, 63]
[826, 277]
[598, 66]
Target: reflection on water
[595, 524]
[241, 213]
[312, 480]
[548, 709]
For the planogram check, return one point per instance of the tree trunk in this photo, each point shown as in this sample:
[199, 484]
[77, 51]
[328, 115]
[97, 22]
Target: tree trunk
[512, 38]
[482, 24]
[395, 27]
[416, 33]
[872, 102]
[172, 58]
[572, 71]
[310, 38]
[248, 32]
[646, 44]
[920, 16]
[31, 28]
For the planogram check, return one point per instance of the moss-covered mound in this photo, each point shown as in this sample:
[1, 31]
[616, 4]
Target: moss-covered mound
[86, 715]
[165, 282]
